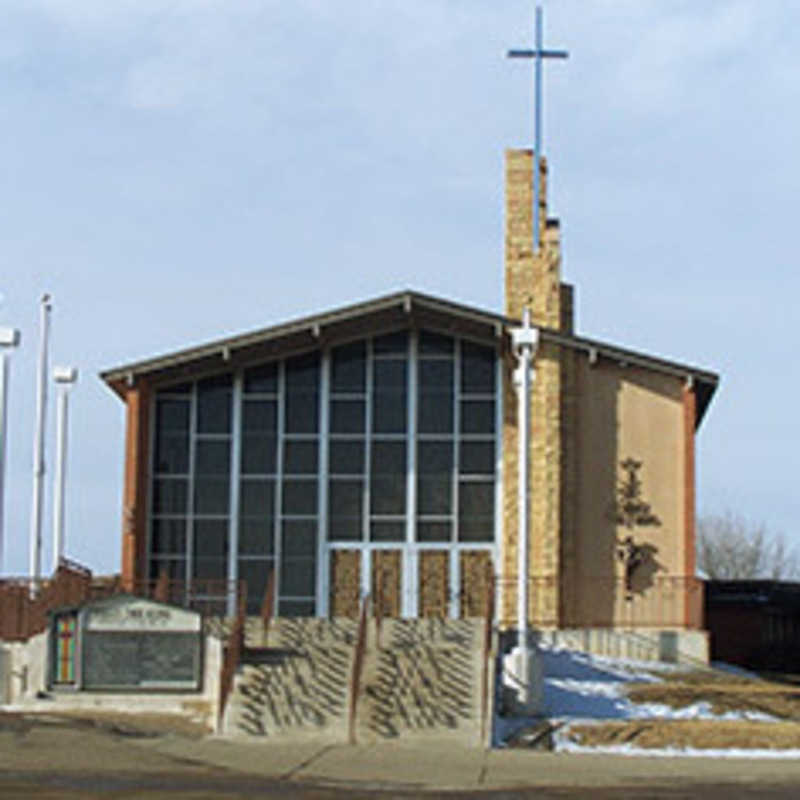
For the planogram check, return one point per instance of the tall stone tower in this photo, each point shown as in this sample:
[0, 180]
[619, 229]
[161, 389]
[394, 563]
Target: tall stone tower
[534, 280]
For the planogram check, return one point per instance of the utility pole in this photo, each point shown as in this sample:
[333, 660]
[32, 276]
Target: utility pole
[9, 338]
[38, 446]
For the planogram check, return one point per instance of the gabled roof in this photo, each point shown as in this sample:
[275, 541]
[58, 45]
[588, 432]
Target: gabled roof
[380, 314]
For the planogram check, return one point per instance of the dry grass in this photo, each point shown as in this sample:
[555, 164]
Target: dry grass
[749, 695]
[699, 734]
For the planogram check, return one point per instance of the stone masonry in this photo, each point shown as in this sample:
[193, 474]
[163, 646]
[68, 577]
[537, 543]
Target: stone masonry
[533, 280]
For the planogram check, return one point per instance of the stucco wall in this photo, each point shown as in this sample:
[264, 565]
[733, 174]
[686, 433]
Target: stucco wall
[621, 413]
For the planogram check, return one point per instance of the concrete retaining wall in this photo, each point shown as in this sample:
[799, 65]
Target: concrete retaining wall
[26, 671]
[688, 647]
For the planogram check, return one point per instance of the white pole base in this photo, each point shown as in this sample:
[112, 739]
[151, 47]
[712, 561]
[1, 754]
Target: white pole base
[523, 679]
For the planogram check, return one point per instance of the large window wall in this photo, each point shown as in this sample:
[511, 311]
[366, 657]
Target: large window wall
[389, 441]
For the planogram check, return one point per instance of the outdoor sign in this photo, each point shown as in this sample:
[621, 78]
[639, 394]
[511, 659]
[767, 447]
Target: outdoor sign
[130, 643]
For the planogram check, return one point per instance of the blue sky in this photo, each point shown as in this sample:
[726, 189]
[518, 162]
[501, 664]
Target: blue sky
[174, 171]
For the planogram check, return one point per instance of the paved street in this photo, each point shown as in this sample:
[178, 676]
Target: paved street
[52, 759]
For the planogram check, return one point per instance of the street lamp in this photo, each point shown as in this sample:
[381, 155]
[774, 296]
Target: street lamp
[64, 377]
[9, 338]
[38, 444]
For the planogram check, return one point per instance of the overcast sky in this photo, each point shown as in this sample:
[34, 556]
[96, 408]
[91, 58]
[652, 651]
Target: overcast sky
[178, 170]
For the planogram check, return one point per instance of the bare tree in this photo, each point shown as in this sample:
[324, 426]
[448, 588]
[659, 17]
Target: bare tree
[730, 547]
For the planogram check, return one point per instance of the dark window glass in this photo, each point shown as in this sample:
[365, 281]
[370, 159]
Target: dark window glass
[299, 539]
[174, 568]
[347, 416]
[300, 497]
[382, 531]
[296, 608]
[257, 498]
[169, 536]
[172, 453]
[214, 405]
[390, 374]
[435, 344]
[388, 477]
[255, 574]
[345, 498]
[477, 416]
[260, 416]
[302, 373]
[298, 577]
[346, 457]
[258, 454]
[389, 412]
[256, 535]
[477, 369]
[434, 531]
[388, 458]
[388, 494]
[476, 511]
[172, 415]
[211, 495]
[436, 376]
[212, 457]
[170, 495]
[210, 538]
[435, 413]
[349, 368]
[178, 388]
[302, 412]
[476, 458]
[210, 569]
[300, 457]
[261, 379]
[476, 529]
[345, 529]
[435, 457]
[392, 343]
[434, 495]
[475, 499]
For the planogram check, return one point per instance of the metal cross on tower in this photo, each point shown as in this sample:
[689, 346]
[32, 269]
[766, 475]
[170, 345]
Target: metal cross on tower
[538, 54]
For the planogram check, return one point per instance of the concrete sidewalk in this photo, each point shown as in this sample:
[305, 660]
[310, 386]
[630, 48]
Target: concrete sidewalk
[437, 765]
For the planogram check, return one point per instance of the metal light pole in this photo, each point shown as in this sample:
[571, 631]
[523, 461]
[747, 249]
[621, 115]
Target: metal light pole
[9, 337]
[64, 377]
[38, 446]
[522, 662]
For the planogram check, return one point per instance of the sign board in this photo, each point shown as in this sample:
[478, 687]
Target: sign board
[136, 614]
[131, 643]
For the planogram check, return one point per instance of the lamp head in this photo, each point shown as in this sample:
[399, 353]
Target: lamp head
[9, 337]
[65, 374]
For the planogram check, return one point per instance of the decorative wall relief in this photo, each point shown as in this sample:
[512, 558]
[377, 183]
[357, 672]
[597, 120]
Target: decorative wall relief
[434, 582]
[632, 511]
[475, 566]
[345, 583]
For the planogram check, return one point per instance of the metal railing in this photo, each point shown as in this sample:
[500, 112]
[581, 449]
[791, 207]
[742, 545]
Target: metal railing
[232, 656]
[487, 653]
[358, 668]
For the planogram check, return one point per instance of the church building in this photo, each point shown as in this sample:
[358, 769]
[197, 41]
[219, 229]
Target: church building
[375, 449]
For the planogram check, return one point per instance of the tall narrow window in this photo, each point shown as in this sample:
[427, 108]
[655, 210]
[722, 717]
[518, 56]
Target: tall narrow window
[300, 486]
